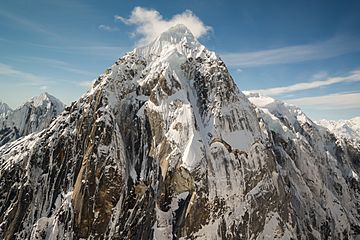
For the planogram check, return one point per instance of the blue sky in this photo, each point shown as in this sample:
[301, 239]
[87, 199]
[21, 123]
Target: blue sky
[306, 53]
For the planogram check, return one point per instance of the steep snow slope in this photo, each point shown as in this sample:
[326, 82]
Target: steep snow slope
[343, 128]
[33, 116]
[165, 146]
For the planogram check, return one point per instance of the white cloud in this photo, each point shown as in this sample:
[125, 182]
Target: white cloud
[353, 77]
[85, 84]
[43, 88]
[331, 101]
[291, 54]
[108, 28]
[33, 79]
[150, 23]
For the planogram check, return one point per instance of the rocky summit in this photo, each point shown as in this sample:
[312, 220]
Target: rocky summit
[165, 146]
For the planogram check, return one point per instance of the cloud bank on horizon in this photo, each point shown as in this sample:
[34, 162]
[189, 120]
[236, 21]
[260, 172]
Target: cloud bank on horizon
[150, 23]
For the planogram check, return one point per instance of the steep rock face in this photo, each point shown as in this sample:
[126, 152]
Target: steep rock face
[164, 146]
[33, 116]
[320, 171]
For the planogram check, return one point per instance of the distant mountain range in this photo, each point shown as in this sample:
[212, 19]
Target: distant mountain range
[343, 128]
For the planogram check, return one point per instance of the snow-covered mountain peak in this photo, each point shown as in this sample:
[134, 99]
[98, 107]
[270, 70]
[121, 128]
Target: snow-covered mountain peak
[177, 34]
[177, 76]
[258, 99]
[289, 113]
[176, 40]
[349, 129]
[165, 146]
[4, 109]
[35, 115]
[39, 100]
[44, 99]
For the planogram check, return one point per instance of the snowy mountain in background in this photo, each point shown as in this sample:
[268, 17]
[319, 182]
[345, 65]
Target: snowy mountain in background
[321, 171]
[33, 116]
[165, 146]
[343, 128]
[4, 110]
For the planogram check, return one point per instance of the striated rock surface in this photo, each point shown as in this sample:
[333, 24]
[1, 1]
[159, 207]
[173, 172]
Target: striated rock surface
[165, 146]
[35, 115]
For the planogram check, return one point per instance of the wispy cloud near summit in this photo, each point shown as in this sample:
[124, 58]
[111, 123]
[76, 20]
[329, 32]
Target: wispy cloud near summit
[150, 23]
